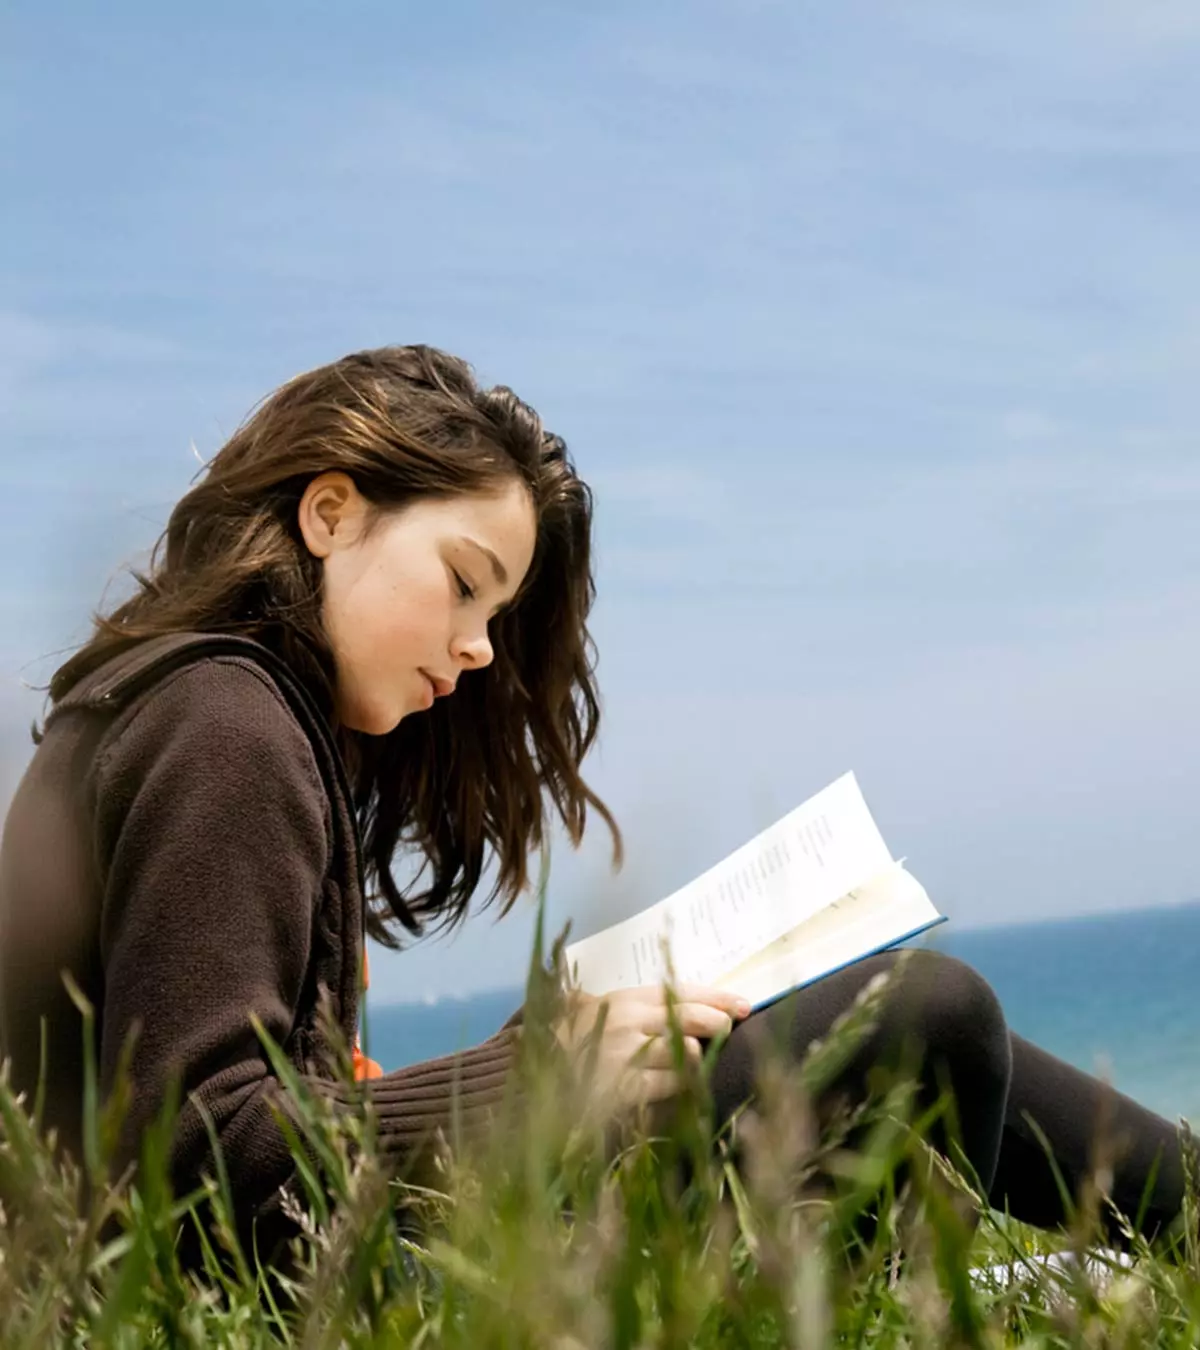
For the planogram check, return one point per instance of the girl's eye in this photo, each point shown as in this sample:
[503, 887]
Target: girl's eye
[464, 589]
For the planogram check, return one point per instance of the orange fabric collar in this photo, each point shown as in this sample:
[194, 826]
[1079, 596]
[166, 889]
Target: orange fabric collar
[364, 1067]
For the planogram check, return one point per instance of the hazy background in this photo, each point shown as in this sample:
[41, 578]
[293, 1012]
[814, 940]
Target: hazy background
[875, 328]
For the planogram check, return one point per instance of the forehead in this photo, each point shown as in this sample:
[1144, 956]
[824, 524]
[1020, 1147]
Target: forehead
[508, 510]
[504, 521]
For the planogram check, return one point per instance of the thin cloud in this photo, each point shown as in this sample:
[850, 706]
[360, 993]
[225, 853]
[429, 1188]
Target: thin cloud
[663, 491]
[37, 346]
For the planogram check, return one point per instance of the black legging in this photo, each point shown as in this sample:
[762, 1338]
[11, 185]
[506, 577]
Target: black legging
[997, 1080]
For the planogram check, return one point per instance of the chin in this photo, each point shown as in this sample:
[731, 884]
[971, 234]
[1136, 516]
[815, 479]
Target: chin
[373, 721]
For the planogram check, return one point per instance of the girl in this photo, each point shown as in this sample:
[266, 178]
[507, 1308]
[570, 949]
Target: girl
[365, 630]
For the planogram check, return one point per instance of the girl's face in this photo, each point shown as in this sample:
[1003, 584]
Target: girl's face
[406, 602]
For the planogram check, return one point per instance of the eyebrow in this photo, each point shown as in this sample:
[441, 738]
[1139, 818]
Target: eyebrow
[497, 566]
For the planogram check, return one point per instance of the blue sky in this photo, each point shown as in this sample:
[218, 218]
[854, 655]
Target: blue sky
[874, 327]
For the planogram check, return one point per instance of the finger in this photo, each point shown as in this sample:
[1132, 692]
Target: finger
[702, 1020]
[655, 995]
[693, 1019]
[656, 1085]
[658, 1052]
[643, 1008]
[641, 993]
[732, 1003]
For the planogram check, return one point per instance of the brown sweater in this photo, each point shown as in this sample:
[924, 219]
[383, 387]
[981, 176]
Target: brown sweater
[183, 843]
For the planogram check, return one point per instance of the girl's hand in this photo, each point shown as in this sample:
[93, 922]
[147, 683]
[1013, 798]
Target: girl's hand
[635, 1061]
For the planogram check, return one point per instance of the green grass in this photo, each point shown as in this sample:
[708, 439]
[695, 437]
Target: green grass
[557, 1233]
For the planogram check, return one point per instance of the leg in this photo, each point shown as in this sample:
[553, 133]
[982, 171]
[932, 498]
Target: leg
[939, 1014]
[1075, 1111]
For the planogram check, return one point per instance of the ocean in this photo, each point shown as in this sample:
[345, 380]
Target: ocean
[1117, 994]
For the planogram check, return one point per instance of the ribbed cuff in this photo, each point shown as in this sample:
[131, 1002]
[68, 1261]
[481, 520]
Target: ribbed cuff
[456, 1095]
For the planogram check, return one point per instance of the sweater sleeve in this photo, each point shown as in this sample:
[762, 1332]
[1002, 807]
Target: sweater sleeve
[455, 1095]
[213, 838]
[212, 842]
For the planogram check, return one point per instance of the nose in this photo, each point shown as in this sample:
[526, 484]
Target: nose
[474, 650]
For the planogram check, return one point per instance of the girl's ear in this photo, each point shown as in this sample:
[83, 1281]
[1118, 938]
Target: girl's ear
[331, 513]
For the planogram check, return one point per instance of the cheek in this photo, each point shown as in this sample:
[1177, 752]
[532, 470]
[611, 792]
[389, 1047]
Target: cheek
[380, 633]
[383, 620]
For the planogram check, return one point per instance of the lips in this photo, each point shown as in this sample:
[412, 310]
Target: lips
[441, 687]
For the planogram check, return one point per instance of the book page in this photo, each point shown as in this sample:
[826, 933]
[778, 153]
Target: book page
[813, 856]
[889, 909]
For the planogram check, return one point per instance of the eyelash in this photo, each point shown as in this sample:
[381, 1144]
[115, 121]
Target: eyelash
[465, 591]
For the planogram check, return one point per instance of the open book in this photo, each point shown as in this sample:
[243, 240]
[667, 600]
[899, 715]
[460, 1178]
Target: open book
[815, 892]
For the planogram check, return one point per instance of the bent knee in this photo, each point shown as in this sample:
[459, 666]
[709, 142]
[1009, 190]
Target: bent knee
[951, 1005]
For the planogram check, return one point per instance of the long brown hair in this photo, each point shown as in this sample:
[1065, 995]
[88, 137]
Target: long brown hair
[472, 780]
